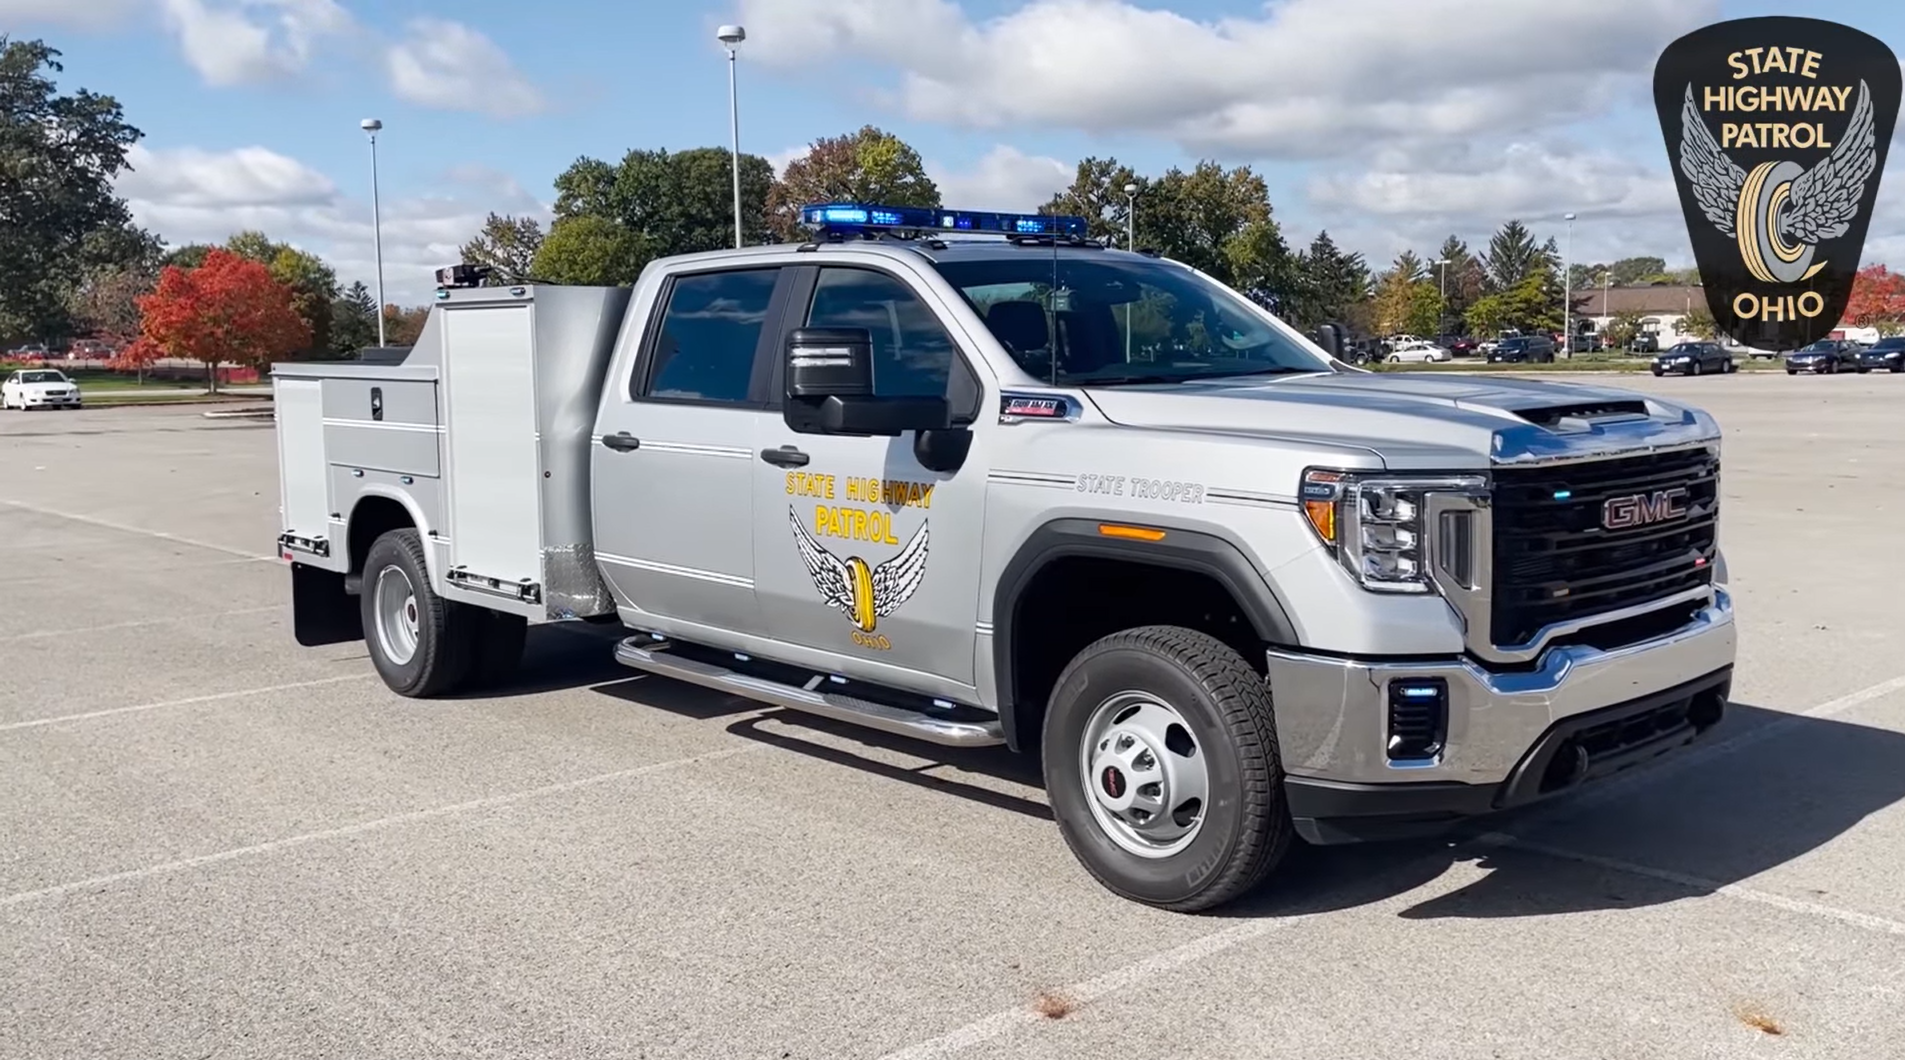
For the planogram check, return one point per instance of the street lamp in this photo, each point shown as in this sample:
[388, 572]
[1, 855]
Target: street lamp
[1567, 289]
[1130, 243]
[1442, 307]
[731, 36]
[371, 126]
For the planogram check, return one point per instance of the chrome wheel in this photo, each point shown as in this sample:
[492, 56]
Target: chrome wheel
[1144, 775]
[398, 623]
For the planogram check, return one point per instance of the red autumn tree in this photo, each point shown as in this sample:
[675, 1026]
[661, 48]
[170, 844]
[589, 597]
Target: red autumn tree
[1878, 299]
[228, 310]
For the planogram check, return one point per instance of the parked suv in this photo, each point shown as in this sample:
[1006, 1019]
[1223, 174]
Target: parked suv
[1693, 358]
[1888, 354]
[1528, 349]
[1826, 357]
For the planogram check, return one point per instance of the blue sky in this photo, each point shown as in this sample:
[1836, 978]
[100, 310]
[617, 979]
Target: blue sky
[1391, 122]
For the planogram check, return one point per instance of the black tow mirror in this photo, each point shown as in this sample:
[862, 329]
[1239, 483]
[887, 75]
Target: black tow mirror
[830, 388]
[1330, 337]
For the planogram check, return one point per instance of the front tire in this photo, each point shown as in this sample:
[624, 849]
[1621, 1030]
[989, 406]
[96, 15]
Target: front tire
[1162, 767]
[421, 644]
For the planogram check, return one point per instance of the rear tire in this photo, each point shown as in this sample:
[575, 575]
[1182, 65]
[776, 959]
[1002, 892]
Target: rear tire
[1169, 716]
[421, 644]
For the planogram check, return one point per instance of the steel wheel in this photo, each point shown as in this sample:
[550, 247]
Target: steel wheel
[397, 619]
[1144, 775]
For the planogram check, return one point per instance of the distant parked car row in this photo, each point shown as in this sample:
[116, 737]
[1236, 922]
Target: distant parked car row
[1831, 356]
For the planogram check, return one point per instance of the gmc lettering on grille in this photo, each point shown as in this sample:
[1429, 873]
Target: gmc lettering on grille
[1643, 509]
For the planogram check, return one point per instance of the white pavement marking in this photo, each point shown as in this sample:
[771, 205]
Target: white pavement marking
[122, 527]
[1699, 883]
[192, 617]
[361, 827]
[186, 702]
[990, 1027]
[998, 1023]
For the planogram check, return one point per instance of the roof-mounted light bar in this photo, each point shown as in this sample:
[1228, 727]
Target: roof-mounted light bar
[848, 215]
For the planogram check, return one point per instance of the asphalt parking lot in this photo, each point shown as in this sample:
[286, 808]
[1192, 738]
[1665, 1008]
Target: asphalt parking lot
[214, 843]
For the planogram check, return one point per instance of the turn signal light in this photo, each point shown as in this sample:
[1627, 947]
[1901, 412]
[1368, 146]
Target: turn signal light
[1130, 533]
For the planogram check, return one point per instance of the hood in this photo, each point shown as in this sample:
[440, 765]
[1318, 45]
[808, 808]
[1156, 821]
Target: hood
[1416, 420]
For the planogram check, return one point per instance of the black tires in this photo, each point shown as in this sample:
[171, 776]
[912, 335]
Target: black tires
[1161, 764]
[421, 644]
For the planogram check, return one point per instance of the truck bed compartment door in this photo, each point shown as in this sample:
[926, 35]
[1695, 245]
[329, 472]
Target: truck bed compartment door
[304, 472]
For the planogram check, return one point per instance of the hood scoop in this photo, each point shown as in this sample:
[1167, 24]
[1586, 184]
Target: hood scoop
[1584, 414]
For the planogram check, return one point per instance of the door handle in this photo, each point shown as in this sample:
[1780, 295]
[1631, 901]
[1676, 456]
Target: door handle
[785, 456]
[621, 442]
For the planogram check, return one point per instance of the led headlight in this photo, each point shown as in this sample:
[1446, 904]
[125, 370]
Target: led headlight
[1376, 524]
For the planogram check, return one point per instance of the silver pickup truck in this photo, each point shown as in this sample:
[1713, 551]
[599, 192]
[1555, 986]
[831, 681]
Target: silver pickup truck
[1024, 489]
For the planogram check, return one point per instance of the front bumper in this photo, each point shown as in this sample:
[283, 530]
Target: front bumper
[1513, 736]
[49, 401]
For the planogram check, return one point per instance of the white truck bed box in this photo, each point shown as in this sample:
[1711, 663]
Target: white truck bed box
[482, 434]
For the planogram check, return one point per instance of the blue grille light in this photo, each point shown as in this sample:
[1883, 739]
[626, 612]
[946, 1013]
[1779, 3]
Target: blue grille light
[1419, 692]
[1562, 495]
[859, 215]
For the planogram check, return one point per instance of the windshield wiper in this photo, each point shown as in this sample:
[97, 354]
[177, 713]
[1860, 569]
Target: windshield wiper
[1131, 377]
[1281, 369]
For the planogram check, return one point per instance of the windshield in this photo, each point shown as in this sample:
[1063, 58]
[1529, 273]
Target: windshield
[1684, 347]
[1121, 320]
[42, 377]
[1821, 346]
[1889, 344]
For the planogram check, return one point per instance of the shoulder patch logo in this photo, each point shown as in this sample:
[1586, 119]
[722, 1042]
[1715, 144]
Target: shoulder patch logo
[863, 593]
[1776, 129]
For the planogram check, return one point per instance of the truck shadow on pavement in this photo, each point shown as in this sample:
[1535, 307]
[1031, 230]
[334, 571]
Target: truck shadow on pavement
[1685, 833]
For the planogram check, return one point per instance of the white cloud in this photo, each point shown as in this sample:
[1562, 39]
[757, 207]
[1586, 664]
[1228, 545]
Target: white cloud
[1310, 78]
[450, 66]
[240, 42]
[189, 195]
[1526, 180]
[79, 14]
[781, 159]
[1006, 179]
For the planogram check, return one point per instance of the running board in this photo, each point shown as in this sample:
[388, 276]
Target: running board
[655, 658]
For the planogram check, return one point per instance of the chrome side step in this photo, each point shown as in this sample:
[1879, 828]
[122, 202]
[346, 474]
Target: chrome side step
[655, 658]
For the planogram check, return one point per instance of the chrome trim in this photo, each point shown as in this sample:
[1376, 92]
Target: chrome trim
[1331, 721]
[654, 657]
[1349, 522]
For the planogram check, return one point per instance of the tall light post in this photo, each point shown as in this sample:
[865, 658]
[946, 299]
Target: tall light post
[1442, 307]
[730, 36]
[371, 126]
[1130, 243]
[1567, 289]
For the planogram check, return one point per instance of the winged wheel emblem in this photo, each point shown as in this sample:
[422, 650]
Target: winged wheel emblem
[1780, 211]
[864, 593]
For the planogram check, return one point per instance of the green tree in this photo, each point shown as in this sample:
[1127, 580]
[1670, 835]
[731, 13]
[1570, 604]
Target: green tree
[59, 155]
[189, 256]
[353, 320]
[1534, 304]
[1632, 270]
[1097, 193]
[591, 250]
[507, 245]
[655, 203]
[1396, 297]
[1623, 329]
[313, 283]
[1463, 279]
[1513, 255]
[1699, 323]
[870, 166]
[1332, 287]
[1423, 316]
[1220, 222]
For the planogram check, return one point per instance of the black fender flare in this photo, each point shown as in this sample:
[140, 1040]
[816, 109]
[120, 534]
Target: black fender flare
[1193, 551]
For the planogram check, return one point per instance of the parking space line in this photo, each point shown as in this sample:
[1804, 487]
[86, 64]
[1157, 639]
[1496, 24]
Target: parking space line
[1867, 921]
[136, 623]
[186, 702]
[307, 838]
[142, 531]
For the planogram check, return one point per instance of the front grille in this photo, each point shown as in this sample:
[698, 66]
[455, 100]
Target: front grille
[1554, 561]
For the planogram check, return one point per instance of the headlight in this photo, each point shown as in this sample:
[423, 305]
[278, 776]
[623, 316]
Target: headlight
[1378, 524]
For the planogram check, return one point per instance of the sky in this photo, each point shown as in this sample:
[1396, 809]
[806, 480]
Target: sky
[1390, 123]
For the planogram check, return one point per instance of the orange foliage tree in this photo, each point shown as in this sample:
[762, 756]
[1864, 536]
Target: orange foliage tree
[1878, 300]
[228, 310]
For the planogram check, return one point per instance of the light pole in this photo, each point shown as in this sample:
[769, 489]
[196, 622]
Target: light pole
[371, 127]
[731, 36]
[1567, 289]
[1442, 307]
[1130, 243]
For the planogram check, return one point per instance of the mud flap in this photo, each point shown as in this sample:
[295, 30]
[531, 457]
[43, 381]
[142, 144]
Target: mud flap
[321, 611]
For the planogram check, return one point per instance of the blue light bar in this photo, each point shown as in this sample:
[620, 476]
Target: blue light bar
[858, 215]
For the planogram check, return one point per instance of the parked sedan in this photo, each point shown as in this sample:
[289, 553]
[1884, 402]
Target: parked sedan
[1888, 354]
[1693, 358]
[1417, 351]
[1826, 357]
[39, 388]
[1530, 349]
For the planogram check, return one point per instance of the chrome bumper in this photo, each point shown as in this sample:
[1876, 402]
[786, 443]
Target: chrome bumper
[1332, 713]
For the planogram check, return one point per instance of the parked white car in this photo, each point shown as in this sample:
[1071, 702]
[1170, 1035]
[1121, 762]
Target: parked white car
[1418, 351]
[39, 388]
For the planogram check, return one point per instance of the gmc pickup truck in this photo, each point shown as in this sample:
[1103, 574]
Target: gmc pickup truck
[977, 479]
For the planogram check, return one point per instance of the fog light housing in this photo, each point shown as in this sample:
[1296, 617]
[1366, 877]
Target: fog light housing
[1418, 721]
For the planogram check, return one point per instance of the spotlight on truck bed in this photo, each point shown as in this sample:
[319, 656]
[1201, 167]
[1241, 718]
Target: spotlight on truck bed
[462, 275]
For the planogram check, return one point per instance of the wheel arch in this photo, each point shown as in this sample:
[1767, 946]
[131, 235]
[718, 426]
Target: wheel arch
[378, 510]
[1199, 553]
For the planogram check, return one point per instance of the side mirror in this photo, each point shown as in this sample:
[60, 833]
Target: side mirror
[830, 388]
[1330, 337]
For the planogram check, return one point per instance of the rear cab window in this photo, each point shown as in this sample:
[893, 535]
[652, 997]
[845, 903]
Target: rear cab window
[707, 338]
